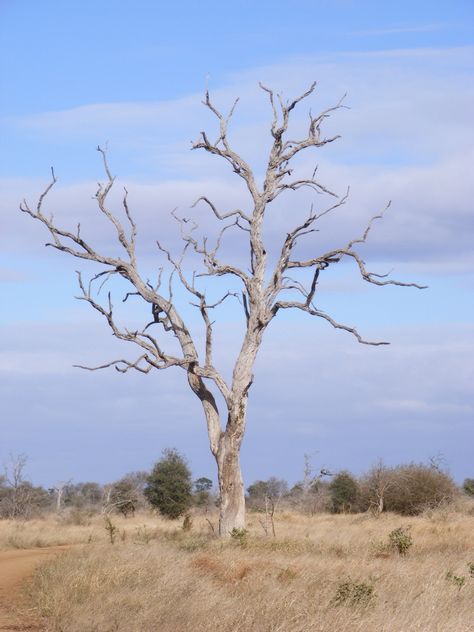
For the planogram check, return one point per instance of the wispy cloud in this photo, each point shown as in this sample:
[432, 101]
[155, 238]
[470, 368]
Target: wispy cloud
[398, 30]
[428, 228]
[10, 275]
[422, 383]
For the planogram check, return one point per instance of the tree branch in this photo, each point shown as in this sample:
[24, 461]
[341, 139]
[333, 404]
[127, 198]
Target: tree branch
[305, 307]
[219, 215]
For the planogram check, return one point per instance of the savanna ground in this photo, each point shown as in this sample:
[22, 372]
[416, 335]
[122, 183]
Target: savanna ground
[322, 573]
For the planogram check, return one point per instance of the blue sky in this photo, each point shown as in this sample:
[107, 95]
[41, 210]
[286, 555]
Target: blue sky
[76, 74]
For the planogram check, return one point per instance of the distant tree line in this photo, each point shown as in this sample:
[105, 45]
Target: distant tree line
[169, 488]
[404, 489]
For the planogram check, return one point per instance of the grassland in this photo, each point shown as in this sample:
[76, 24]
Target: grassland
[323, 573]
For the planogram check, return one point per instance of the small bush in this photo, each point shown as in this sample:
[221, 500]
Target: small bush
[111, 529]
[401, 540]
[457, 580]
[353, 593]
[240, 536]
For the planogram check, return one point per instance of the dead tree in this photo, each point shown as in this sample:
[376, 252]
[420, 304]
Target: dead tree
[59, 490]
[19, 499]
[265, 290]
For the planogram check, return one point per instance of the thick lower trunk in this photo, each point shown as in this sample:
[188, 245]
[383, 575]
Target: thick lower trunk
[225, 446]
[231, 487]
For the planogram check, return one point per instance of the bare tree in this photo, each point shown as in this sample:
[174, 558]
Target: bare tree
[59, 490]
[20, 499]
[265, 289]
[19, 496]
[374, 486]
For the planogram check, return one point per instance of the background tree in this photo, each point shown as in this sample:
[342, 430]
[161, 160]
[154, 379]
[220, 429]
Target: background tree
[266, 496]
[468, 486]
[87, 495]
[59, 491]
[261, 492]
[202, 491]
[169, 485]
[311, 495]
[415, 487]
[19, 499]
[123, 497]
[344, 491]
[271, 281]
[374, 487]
[126, 495]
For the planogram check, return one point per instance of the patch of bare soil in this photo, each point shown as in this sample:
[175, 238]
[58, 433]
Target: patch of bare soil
[16, 567]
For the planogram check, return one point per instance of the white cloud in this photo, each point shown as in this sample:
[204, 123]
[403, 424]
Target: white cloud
[404, 95]
[311, 385]
[420, 406]
[406, 138]
[428, 228]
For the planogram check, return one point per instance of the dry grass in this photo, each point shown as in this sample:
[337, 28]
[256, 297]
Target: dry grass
[76, 528]
[323, 574]
[41, 533]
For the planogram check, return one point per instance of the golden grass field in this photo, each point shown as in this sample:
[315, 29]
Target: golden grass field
[322, 573]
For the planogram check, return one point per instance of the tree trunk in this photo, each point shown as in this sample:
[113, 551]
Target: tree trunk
[231, 487]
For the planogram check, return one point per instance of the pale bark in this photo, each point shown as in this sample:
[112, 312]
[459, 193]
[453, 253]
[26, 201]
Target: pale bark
[231, 486]
[263, 292]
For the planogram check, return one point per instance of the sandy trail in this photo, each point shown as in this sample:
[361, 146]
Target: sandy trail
[16, 567]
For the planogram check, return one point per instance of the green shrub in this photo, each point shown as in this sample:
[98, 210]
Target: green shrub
[407, 489]
[353, 593]
[457, 580]
[344, 491]
[169, 485]
[240, 536]
[401, 540]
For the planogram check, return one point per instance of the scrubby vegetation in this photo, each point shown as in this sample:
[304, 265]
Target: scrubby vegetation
[334, 552]
[408, 490]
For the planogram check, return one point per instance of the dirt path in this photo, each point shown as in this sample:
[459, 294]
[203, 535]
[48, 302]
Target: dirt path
[16, 567]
